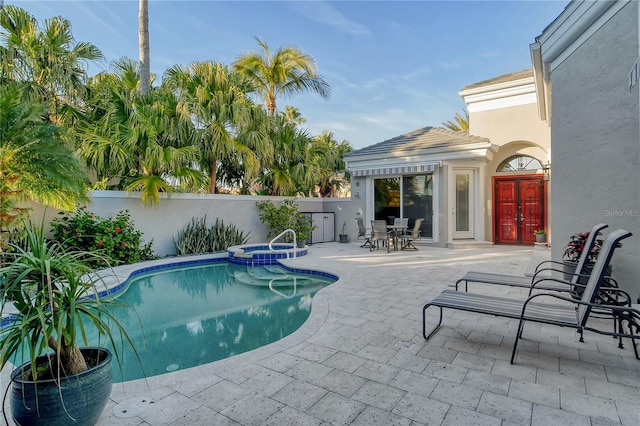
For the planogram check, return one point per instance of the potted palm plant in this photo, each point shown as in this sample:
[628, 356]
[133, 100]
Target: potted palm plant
[49, 299]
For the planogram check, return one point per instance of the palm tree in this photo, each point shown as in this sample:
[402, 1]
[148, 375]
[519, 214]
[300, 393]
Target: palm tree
[288, 71]
[143, 41]
[215, 99]
[326, 155]
[47, 59]
[292, 115]
[461, 123]
[143, 142]
[288, 174]
[35, 164]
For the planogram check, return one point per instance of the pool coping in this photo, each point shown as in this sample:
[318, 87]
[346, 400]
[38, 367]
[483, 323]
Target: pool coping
[317, 317]
[116, 279]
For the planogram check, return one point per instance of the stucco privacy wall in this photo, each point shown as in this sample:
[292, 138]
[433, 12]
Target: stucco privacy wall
[595, 138]
[162, 223]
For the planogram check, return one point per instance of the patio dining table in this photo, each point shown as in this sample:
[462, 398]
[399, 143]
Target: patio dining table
[396, 232]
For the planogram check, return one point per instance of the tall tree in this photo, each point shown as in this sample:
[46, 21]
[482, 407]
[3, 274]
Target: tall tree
[215, 99]
[326, 154]
[47, 59]
[288, 174]
[143, 142]
[287, 72]
[35, 164]
[143, 41]
[461, 123]
[292, 115]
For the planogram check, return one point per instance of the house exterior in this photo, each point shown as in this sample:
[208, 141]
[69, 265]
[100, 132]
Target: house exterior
[586, 76]
[479, 187]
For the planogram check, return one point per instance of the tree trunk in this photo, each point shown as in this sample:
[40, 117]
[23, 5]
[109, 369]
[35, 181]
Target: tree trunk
[271, 103]
[213, 176]
[143, 42]
[70, 357]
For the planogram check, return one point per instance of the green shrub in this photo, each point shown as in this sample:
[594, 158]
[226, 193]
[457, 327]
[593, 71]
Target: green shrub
[196, 237]
[115, 239]
[285, 217]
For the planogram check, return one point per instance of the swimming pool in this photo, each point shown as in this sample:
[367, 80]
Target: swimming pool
[192, 315]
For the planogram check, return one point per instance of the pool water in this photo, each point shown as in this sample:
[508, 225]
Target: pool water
[181, 318]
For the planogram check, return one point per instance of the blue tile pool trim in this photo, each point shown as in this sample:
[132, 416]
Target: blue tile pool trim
[159, 267]
[261, 255]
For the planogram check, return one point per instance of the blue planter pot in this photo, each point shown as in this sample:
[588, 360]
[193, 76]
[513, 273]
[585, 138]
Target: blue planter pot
[74, 400]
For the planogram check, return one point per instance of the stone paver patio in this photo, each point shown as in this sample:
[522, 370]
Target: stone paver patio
[361, 359]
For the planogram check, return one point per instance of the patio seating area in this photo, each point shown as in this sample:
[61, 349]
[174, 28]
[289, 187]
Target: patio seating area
[361, 358]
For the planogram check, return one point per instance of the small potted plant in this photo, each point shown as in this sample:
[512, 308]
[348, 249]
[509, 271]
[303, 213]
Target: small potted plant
[344, 238]
[303, 225]
[573, 250]
[541, 235]
[49, 298]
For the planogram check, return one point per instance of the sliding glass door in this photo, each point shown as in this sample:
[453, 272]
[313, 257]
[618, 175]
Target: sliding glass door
[386, 199]
[407, 196]
[417, 202]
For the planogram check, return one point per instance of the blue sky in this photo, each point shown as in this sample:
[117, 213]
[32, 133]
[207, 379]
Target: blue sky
[393, 66]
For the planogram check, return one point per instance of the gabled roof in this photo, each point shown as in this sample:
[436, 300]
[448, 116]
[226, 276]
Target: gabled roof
[424, 139]
[502, 79]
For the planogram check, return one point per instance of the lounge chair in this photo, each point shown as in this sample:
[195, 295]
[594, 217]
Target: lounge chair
[540, 279]
[362, 233]
[378, 233]
[574, 313]
[412, 236]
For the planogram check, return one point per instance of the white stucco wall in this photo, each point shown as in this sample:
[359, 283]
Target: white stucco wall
[595, 137]
[516, 129]
[162, 223]
[505, 125]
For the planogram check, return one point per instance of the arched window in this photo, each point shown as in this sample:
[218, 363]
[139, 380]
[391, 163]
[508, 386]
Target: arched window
[517, 163]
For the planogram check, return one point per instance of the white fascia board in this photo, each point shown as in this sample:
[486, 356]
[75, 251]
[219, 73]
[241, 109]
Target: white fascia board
[502, 95]
[499, 89]
[483, 153]
[425, 154]
[542, 95]
[575, 25]
[512, 101]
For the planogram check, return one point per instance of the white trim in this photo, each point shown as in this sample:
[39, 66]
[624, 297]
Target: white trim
[394, 171]
[500, 95]
[473, 200]
[539, 81]
[512, 101]
[435, 215]
[479, 151]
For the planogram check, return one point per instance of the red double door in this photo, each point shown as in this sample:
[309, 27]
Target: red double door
[519, 209]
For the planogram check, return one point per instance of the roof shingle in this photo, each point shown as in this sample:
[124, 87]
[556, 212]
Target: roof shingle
[420, 139]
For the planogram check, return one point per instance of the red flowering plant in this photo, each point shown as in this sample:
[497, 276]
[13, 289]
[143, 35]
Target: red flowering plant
[114, 238]
[574, 248]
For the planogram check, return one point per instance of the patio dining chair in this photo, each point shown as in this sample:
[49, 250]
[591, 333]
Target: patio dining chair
[378, 233]
[541, 308]
[362, 233]
[411, 236]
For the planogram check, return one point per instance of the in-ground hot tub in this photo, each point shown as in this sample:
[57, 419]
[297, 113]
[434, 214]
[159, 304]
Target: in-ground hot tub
[260, 254]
